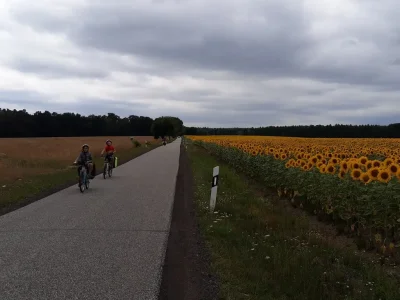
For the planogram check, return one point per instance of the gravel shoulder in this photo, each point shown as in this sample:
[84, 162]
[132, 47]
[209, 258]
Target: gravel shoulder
[186, 271]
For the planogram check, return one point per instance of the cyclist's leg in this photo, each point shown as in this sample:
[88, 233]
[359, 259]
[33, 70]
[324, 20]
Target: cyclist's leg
[112, 161]
[90, 170]
[108, 158]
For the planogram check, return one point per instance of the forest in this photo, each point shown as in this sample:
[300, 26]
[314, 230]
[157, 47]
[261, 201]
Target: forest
[310, 131]
[14, 123]
[20, 123]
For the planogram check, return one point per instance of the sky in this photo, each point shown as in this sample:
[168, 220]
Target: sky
[222, 63]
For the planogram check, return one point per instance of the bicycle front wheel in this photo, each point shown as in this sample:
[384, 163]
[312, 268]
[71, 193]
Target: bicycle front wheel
[82, 181]
[82, 184]
[105, 171]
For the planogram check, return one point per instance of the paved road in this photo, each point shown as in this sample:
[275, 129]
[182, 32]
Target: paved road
[108, 243]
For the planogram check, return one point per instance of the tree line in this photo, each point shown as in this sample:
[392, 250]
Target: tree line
[311, 131]
[20, 123]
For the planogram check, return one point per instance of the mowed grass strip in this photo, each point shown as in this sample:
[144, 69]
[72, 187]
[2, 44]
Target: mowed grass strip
[34, 177]
[259, 251]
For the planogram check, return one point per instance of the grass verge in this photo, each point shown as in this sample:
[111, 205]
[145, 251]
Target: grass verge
[259, 251]
[14, 195]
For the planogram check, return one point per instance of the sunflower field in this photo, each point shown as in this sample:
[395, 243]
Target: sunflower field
[354, 183]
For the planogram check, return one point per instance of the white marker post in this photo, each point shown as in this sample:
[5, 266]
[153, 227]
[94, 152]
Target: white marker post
[214, 188]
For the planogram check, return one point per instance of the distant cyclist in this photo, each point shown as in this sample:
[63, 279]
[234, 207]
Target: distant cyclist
[85, 159]
[109, 150]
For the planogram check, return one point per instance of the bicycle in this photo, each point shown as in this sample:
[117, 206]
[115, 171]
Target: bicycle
[83, 179]
[107, 169]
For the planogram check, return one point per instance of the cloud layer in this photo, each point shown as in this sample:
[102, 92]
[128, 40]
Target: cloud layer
[212, 63]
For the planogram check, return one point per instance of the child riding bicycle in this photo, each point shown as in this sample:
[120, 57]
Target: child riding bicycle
[85, 159]
[109, 150]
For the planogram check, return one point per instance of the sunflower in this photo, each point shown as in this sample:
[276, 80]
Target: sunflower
[373, 173]
[393, 168]
[369, 164]
[314, 159]
[334, 160]
[388, 161]
[356, 174]
[377, 163]
[356, 165]
[277, 156]
[365, 178]
[342, 173]
[306, 168]
[283, 156]
[330, 169]
[384, 176]
[322, 168]
[344, 166]
[363, 160]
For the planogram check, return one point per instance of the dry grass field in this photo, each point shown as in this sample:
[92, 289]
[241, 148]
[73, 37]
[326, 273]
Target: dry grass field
[25, 157]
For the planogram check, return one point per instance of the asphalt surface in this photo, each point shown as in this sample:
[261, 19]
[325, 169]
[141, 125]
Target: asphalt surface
[108, 243]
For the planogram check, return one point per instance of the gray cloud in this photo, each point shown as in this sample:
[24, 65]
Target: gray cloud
[33, 102]
[22, 99]
[54, 70]
[208, 38]
[233, 63]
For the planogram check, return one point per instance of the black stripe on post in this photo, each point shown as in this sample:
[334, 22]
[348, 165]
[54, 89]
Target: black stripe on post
[215, 181]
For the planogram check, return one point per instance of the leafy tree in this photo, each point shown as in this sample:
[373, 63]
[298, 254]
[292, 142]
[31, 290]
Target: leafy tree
[167, 126]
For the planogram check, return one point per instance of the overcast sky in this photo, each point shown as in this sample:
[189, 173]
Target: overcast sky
[211, 63]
